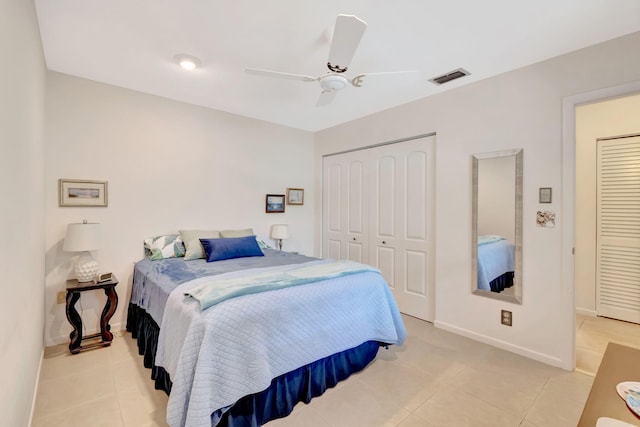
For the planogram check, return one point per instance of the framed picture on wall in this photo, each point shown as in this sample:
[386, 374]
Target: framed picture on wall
[275, 203]
[545, 195]
[295, 196]
[74, 192]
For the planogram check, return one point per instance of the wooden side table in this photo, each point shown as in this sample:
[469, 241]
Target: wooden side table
[619, 363]
[74, 288]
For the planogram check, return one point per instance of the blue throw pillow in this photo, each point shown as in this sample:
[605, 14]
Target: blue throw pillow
[229, 248]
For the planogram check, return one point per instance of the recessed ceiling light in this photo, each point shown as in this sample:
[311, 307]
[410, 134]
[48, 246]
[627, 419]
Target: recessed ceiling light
[187, 62]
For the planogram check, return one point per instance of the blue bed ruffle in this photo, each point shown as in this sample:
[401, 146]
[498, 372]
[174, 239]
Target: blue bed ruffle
[285, 391]
[503, 282]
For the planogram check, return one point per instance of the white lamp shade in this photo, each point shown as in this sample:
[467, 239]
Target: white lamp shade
[280, 231]
[82, 237]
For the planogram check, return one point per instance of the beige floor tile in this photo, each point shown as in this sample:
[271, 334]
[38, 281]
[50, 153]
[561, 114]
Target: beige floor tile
[399, 384]
[74, 389]
[407, 386]
[302, 416]
[594, 333]
[414, 420]
[355, 404]
[103, 412]
[60, 362]
[553, 408]
[148, 408]
[514, 393]
[588, 361]
[452, 406]
[573, 385]
[422, 356]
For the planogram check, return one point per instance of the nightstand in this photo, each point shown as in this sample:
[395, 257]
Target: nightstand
[74, 289]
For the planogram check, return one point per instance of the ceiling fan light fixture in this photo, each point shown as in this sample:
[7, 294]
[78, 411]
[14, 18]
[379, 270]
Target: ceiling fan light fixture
[187, 62]
[333, 82]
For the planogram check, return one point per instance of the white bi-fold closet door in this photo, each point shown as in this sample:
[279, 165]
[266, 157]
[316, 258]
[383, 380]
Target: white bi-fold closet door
[378, 210]
[618, 229]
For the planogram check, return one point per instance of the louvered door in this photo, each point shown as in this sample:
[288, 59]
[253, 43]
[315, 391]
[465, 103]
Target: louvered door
[618, 229]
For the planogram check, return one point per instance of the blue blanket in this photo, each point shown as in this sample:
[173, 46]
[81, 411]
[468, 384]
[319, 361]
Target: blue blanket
[217, 289]
[155, 280]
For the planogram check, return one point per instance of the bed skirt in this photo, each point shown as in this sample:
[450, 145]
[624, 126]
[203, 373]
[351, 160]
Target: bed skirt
[278, 400]
[501, 283]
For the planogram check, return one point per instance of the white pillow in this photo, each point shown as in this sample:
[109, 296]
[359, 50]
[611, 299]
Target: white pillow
[191, 239]
[237, 233]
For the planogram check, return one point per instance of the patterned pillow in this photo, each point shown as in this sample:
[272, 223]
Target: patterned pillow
[161, 247]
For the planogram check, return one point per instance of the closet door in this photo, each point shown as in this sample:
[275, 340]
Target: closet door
[401, 222]
[345, 200]
[618, 229]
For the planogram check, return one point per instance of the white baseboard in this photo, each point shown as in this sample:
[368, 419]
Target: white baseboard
[540, 357]
[585, 312]
[64, 339]
[35, 388]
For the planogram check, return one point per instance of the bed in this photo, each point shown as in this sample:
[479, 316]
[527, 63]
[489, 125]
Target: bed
[250, 358]
[495, 263]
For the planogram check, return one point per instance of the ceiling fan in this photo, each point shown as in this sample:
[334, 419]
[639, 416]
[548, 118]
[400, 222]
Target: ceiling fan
[346, 38]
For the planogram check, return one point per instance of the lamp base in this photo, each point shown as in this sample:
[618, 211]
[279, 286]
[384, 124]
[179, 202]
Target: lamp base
[86, 267]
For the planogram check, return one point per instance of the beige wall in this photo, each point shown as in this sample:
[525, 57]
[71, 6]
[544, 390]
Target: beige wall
[519, 109]
[169, 166]
[22, 79]
[614, 117]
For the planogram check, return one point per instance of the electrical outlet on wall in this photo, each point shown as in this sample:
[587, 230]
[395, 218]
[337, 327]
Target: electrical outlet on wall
[506, 317]
[61, 297]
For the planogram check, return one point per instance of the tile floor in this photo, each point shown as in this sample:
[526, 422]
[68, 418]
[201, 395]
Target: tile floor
[435, 379]
[594, 333]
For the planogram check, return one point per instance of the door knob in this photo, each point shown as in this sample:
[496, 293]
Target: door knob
[354, 239]
[384, 243]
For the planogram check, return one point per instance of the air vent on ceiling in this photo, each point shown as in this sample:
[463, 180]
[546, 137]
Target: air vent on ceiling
[452, 75]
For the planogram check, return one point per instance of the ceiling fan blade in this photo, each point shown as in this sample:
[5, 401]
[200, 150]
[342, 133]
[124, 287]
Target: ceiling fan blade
[358, 80]
[280, 75]
[346, 38]
[326, 97]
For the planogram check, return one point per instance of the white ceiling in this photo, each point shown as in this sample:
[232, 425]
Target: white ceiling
[132, 44]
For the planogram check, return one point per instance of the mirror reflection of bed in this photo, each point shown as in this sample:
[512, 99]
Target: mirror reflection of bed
[497, 225]
[496, 256]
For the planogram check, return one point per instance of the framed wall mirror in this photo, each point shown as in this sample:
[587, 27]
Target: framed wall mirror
[496, 259]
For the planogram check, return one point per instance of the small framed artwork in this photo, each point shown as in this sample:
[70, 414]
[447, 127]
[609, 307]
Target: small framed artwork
[545, 195]
[275, 203]
[546, 219]
[295, 196]
[75, 192]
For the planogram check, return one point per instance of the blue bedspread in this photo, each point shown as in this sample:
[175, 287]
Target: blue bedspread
[156, 279]
[495, 258]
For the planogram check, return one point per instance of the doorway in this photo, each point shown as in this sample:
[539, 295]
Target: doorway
[598, 116]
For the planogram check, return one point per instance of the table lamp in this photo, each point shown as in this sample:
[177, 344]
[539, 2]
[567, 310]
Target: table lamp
[279, 232]
[83, 238]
